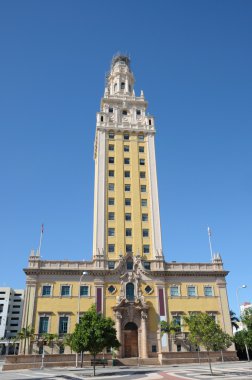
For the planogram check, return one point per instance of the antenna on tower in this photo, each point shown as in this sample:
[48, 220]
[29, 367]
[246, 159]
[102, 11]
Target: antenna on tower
[210, 242]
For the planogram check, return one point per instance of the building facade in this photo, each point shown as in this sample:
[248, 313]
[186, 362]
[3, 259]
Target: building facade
[11, 309]
[128, 278]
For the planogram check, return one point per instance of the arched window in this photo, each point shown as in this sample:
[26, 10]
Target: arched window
[115, 87]
[130, 291]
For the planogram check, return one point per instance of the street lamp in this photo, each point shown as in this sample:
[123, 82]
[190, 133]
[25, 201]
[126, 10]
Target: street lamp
[78, 308]
[239, 307]
[237, 296]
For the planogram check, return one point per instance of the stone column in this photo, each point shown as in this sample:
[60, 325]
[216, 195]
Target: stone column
[119, 331]
[144, 335]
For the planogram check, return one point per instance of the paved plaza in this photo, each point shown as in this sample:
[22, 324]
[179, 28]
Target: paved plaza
[227, 371]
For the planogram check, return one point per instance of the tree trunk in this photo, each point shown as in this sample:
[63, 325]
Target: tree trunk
[94, 364]
[209, 361]
[24, 346]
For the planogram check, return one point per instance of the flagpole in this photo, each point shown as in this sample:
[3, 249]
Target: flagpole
[210, 243]
[41, 237]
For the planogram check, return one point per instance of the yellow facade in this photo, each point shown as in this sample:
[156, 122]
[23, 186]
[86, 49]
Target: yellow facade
[128, 278]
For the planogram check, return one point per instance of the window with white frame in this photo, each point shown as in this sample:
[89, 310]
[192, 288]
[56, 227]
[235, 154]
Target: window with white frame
[84, 290]
[65, 290]
[46, 290]
[208, 291]
[174, 291]
[63, 324]
[43, 324]
[191, 291]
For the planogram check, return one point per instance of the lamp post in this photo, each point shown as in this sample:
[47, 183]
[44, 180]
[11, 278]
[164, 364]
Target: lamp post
[78, 308]
[238, 302]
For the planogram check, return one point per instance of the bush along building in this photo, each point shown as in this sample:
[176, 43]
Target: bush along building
[128, 278]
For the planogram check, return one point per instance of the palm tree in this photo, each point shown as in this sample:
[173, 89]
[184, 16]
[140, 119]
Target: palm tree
[67, 341]
[234, 319]
[26, 333]
[48, 339]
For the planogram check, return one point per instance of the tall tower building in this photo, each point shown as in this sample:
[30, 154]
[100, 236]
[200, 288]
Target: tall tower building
[128, 278]
[126, 206]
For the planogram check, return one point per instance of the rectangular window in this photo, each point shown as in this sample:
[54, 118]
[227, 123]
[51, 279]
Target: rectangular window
[144, 202]
[84, 290]
[111, 135]
[141, 149]
[111, 232]
[110, 109]
[142, 175]
[208, 291]
[127, 201]
[141, 137]
[178, 347]
[128, 248]
[143, 188]
[63, 325]
[154, 348]
[177, 321]
[146, 248]
[145, 232]
[111, 216]
[138, 112]
[111, 186]
[126, 161]
[147, 265]
[174, 291]
[191, 291]
[128, 232]
[126, 136]
[124, 112]
[46, 290]
[111, 173]
[111, 147]
[111, 264]
[142, 161]
[127, 174]
[126, 148]
[111, 160]
[111, 201]
[145, 217]
[127, 187]
[128, 217]
[65, 290]
[122, 85]
[43, 325]
[111, 248]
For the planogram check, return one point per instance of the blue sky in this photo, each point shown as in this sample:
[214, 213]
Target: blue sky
[193, 60]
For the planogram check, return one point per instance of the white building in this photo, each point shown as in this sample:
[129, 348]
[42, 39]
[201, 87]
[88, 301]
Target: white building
[11, 309]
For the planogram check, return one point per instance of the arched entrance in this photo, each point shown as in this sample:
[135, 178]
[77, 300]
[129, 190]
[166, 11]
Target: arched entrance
[130, 340]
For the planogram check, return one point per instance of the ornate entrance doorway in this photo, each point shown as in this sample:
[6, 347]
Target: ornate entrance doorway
[130, 340]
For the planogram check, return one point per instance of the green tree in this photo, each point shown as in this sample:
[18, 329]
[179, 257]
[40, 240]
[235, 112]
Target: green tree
[170, 328]
[243, 338]
[246, 318]
[94, 333]
[26, 334]
[204, 331]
